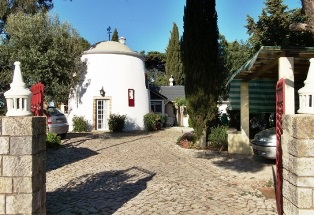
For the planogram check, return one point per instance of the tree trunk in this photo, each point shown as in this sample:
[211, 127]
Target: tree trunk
[202, 141]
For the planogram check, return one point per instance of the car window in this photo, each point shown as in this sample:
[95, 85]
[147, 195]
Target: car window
[53, 112]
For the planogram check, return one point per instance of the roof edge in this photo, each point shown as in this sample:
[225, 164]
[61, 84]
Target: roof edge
[248, 64]
[134, 54]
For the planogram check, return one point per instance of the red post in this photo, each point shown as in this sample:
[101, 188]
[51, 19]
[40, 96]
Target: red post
[280, 111]
[37, 100]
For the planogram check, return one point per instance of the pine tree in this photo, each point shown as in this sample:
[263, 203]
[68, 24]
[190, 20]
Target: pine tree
[115, 36]
[173, 58]
[272, 27]
[203, 80]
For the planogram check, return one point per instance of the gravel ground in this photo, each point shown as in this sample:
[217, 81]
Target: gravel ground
[147, 173]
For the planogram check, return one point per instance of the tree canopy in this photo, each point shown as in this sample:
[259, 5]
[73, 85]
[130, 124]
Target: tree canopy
[155, 60]
[272, 27]
[231, 56]
[234, 54]
[203, 79]
[173, 57]
[8, 7]
[49, 51]
[155, 65]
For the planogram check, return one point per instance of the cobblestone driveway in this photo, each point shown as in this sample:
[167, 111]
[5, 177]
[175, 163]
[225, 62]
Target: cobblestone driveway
[147, 173]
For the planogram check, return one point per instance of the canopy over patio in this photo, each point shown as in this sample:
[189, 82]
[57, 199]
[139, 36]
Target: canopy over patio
[264, 64]
[269, 64]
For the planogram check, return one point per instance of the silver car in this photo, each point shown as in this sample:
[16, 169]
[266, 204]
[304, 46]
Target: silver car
[264, 143]
[57, 122]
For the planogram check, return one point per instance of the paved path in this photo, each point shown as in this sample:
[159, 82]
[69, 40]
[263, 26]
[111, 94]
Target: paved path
[147, 173]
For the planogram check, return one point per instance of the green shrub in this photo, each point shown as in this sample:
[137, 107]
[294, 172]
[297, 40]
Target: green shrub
[79, 124]
[218, 137]
[53, 140]
[116, 122]
[180, 102]
[190, 122]
[150, 121]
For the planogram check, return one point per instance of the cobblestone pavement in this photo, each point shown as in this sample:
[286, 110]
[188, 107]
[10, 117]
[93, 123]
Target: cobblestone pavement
[147, 173]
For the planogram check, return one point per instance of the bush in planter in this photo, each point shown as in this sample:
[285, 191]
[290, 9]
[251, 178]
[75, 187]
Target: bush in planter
[187, 140]
[53, 140]
[79, 124]
[150, 121]
[218, 137]
[116, 122]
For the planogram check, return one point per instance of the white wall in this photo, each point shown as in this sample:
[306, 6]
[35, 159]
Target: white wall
[116, 73]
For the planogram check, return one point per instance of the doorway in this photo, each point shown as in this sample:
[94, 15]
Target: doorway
[102, 114]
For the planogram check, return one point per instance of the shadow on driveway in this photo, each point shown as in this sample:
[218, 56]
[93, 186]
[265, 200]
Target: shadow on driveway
[105, 135]
[63, 156]
[70, 151]
[101, 193]
[238, 163]
[121, 143]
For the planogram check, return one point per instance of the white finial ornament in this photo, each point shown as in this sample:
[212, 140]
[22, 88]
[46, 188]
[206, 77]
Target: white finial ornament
[18, 97]
[306, 93]
[171, 81]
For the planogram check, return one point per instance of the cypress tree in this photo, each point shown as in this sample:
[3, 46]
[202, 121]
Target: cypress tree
[115, 36]
[173, 58]
[203, 81]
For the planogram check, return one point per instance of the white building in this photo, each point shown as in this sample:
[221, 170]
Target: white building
[115, 83]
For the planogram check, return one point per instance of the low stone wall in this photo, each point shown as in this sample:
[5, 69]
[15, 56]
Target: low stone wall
[22, 165]
[238, 143]
[298, 164]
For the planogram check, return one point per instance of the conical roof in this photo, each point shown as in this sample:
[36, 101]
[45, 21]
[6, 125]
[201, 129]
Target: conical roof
[111, 47]
[108, 46]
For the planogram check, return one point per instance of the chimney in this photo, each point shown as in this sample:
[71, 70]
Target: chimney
[122, 40]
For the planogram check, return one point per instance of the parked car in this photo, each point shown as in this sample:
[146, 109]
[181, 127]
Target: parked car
[57, 122]
[264, 143]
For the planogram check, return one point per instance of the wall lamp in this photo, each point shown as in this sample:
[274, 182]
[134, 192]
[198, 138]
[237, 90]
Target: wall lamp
[102, 92]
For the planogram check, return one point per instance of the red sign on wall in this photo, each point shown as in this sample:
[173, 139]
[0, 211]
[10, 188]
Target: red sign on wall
[131, 97]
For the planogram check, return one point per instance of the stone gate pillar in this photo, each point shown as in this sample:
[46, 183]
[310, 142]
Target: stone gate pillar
[22, 153]
[298, 164]
[22, 165]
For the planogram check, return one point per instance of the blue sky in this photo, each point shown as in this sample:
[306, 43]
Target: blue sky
[146, 24]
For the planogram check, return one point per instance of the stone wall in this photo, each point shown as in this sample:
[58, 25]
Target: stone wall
[298, 164]
[22, 165]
